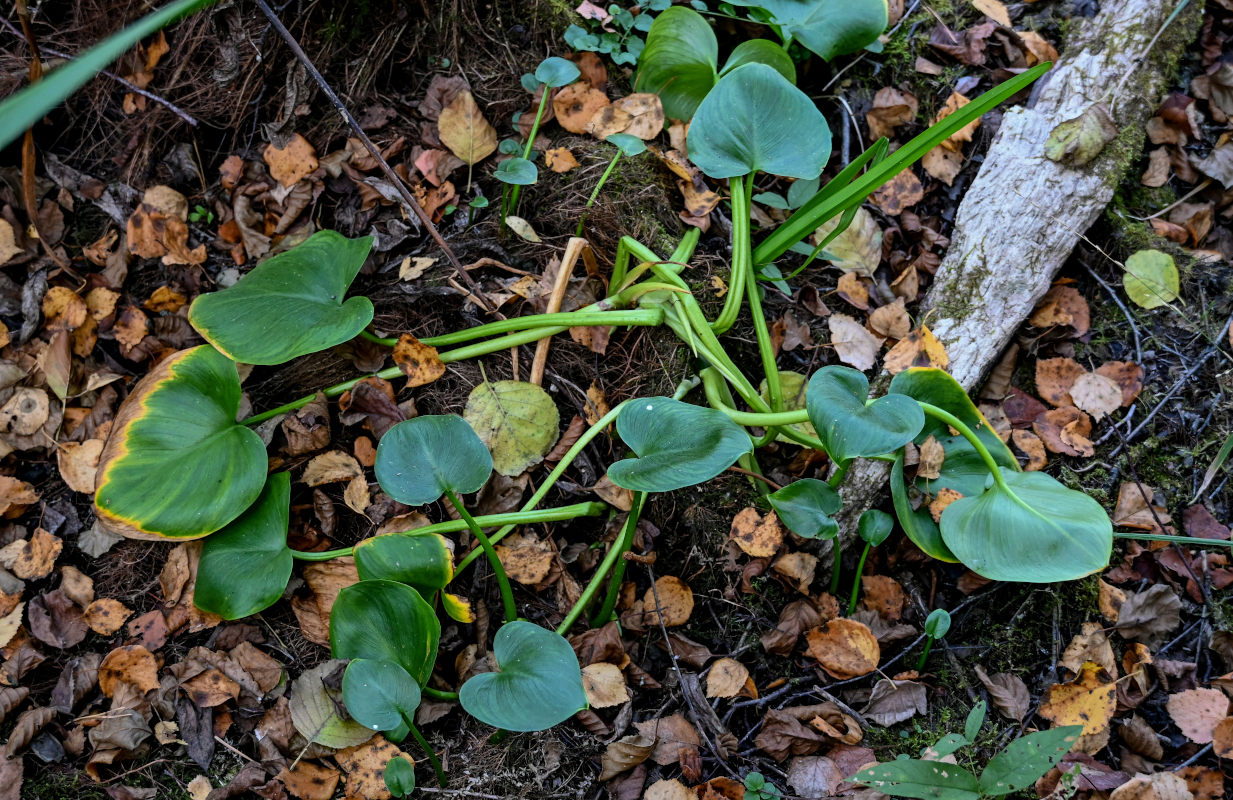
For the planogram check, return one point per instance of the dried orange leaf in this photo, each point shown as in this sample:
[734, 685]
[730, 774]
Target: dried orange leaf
[844, 648]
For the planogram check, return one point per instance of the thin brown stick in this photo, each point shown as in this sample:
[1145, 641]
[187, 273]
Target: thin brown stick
[398, 183]
[573, 249]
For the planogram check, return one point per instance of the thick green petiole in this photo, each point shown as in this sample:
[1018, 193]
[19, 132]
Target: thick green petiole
[432, 757]
[924, 656]
[974, 440]
[591, 315]
[856, 584]
[743, 249]
[507, 593]
[619, 548]
[595, 193]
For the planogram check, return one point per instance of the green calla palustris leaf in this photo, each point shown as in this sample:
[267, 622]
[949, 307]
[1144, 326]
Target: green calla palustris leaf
[850, 428]
[245, 566]
[538, 683]
[874, 526]
[1034, 530]
[917, 525]
[761, 51]
[829, 28]
[677, 445]
[424, 457]
[679, 61]
[385, 621]
[290, 305]
[962, 469]
[315, 702]
[1027, 758]
[805, 507]
[380, 695]
[400, 777]
[937, 624]
[421, 560]
[556, 71]
[517, 420]
[176, 465]
[755, 120]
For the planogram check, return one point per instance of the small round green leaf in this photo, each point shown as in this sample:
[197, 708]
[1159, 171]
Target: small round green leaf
[516, 420]
[538, 683]
[176, 464]
[829, 28]
[937, 623]
[516, 171]
[755, 120]
[850, 428]
[245, 567]
[380, 695]
[679, 61]
[677, 445]
[416, 559]
[422, 458]
[805, 507]
[1151, 278]
[290, 305]
[629, 146]
[315, 703]
[385, 621]
[874, 526]
[556, 71]
[1035, 530]
[400, 777]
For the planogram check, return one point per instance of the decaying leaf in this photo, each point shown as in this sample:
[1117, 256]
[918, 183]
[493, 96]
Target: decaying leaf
[852, 342]
[756, 535]
[518, 421]
[604, 684]
[670, 598]
[418, 361]
[1079, 140]
[844, 648]
[464, 130]
[1197, 712]
[1086, 701]
[1008, 693]
[727, 678]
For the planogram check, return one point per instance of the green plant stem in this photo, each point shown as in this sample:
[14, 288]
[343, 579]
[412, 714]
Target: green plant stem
[740, 261]
[1196, 541]
[856, 584]
[595, 193]
[591, 509]
[591, 315]
[614, 556]
[924, 656]
[526, 151]
[507, 593]
[432, 757]
[742, 245]
[836, 565]
[841, 472]
[774, 423]
[437, 694]
[974, 440]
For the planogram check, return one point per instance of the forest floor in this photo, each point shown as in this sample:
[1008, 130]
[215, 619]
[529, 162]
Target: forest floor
[114, 685]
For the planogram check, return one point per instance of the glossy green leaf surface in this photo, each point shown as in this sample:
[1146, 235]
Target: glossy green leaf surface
[420, 560]
[1026, 759]
[937, 624]
[380, 695]
[289, 305]
[556, 71]
[679, 61]
[829, 28]
[677, 444]
[805, 506]
[874, 526]
[1035, 530]
[926, 780]
[245, 567]
[422, 458]
[836, 402]
[918, 525]
[963, 469]
[761, 51]
[755, 120]
[538, 685]
[176, 464]
[385, 621]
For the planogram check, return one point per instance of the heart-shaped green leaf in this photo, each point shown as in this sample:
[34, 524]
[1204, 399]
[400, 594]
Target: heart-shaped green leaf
[677, 445]
[874, 526]
[918, 525]
[380, 695]
[245, 567]
[517, 172]
[538, 685]
[805, 507]
[850, 428]
[385, 621]
[829, 28]
[937, 624]
[963, 469]
[422, 458]
[629, 146]
[422, 560]
[1029, 528]
[176, 464]
[755, 120]
[400, 777]
[290, 305]
[556, 71]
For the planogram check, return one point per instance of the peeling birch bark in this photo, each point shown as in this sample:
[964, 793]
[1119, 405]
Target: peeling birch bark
[1023, 215]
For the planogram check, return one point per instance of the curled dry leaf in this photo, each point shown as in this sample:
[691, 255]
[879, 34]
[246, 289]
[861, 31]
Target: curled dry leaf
[78, 463]
[418, 361]
[798, 568]
[892, 702]
[844, 648]
[1065, 431]
[1008, 693]
[1055, 377]
[604, 684]
[332, 467]
[920, 348]
[1157, 786]
[1150, 616]
[624, 754]
[883, 595]
[28, 725]
[1062, 305]
[853, 344]
[1031, 445]
[1197, 712]
[36, 557]
[1135, 509]
[672, 734]
[1090, 644]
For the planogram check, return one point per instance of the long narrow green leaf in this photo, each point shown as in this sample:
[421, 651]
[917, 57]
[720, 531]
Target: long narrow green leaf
[825, 206]
[25, 108]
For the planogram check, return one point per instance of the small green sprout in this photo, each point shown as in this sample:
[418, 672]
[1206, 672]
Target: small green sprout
[628, 146]
[936, 626]
[873, 527]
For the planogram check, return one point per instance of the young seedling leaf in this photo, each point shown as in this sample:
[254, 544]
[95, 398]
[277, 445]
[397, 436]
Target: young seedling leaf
[679, 61]
[290, 305]
[1026, 759]
[976, 717]
[517, 172]
[380, 695]
[518, 421]
[538, 683]
[385, 621]
[805, 507]
[423, 561]
[629, 146]
[1034, 530]
[937, 623]
[829, 28]
[850, 428]
[245, 567]
[962, 468]
[926, 780]
[176, 464]
[422, 458]
[400, 777]
[874, 526]
[755, 120]
[917, 525]
[556, 72]
[677, 444]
